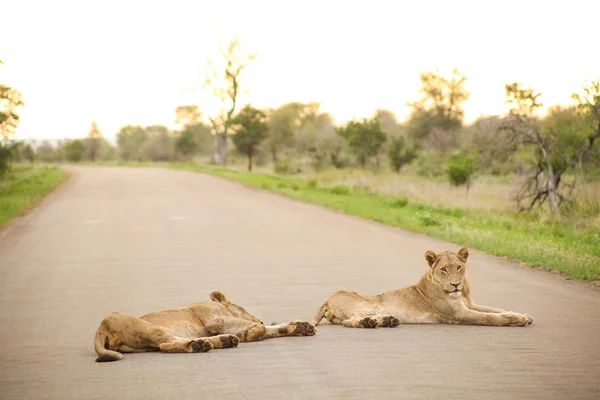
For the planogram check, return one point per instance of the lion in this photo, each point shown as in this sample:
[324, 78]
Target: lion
[198, 328]
[442, 296]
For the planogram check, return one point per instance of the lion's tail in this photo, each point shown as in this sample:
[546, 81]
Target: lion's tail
[320, 314]
[99, 345]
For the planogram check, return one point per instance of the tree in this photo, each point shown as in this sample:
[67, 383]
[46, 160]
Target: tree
[250, 129]
[187, 144]
[285, 122]
[74, 150]
[440, 107]
[132, 141]
[10, 101]
[559, 141]
[389, 122]
[400, 153]
[226, 86]
[364, 137]
[93, 142]
[588, 107]
[187, 116]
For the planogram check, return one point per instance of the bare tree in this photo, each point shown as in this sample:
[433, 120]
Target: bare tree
[559, 141]
[226, 86]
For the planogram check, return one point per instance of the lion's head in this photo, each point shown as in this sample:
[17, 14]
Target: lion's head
[234, 309]
[448, 270]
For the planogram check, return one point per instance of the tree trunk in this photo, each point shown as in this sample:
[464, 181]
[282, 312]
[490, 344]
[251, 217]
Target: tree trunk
[250, 161]
[220, 153]
[551, 187]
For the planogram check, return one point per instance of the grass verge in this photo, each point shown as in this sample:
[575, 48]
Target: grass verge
[25, 186]
[551, 245]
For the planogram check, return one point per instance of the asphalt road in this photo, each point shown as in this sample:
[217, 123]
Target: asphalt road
[141, 240]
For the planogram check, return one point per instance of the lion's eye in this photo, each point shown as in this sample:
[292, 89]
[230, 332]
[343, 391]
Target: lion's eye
[444, 270]
[459, 268]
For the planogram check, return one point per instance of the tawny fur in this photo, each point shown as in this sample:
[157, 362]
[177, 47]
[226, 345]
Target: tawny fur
[197, 328]
[442, 296]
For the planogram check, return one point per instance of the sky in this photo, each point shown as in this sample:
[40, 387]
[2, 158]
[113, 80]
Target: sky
[129, 62]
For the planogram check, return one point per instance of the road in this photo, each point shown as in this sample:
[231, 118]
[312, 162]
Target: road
[141, 240]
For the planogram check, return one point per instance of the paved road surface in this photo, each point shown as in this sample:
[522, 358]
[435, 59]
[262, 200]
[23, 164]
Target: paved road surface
[141, 240]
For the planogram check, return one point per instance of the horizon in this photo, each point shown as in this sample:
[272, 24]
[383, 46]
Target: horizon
[97, 62]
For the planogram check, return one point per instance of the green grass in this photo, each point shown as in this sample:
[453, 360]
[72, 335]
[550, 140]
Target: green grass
[24, 186]
[552, 245]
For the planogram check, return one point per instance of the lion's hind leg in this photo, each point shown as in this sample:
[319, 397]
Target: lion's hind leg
[354, 311]
[129, 334]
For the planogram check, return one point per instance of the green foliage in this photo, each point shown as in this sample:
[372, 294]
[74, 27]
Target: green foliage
[400, 154]
[25, 186]
[187, 144]
[429, 164]
[400, 202]
[460, 168]
[74, 150]
[10, 101]
[285, 166]
[5, 154]
[365, 138]
[341, 190]
[250, 129]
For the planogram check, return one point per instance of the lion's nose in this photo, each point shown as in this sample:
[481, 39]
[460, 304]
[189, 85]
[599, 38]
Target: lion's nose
[456, 285]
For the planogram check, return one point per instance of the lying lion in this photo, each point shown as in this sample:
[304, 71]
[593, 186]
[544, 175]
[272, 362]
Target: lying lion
[201, 327]
[442, 296]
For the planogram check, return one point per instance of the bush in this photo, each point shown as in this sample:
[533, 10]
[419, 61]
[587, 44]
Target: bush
[401, 202]
[312, 184]
[460, 168]
[341, 190]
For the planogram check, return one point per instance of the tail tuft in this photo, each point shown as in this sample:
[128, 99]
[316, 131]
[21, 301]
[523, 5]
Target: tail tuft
[110, 357]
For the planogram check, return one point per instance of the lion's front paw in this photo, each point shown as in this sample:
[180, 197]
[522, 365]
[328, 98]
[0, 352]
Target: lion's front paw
[517, 319]
[302, 328]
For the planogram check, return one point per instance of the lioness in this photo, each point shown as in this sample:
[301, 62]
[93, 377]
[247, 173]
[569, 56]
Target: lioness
[442, 296]
[200, 327]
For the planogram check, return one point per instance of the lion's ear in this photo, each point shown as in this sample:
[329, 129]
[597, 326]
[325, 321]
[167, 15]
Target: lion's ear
[219, 297]
[430, 256]
[463, 254]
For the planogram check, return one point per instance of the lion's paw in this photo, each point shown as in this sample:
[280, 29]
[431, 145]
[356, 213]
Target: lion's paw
[389, 321]
[229, 341]
[200, 346]
[302, 328]
[369, 322]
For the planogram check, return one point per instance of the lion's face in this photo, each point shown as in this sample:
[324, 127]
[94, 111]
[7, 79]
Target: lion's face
[448, 270]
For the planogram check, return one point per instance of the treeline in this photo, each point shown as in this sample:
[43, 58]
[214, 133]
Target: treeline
[433, 141]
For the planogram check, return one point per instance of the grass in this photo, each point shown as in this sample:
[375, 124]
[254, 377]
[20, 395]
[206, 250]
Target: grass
[24, 186]
[557, 246]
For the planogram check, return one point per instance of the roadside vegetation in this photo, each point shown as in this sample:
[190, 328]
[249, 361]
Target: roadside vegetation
[24, 186]
[523, 184]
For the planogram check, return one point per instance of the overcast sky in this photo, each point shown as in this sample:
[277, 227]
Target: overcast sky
[127, 62]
